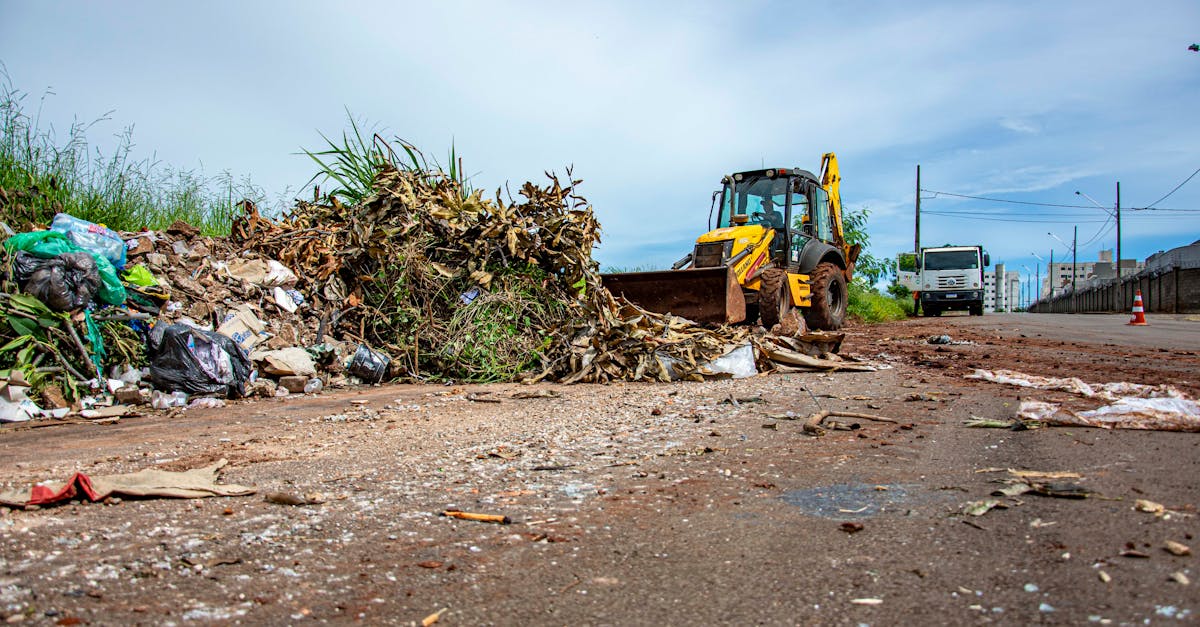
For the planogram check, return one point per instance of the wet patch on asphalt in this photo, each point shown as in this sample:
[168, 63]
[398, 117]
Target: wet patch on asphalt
[849, 501]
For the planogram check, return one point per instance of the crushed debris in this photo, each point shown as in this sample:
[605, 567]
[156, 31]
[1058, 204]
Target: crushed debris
[423, 280]
[1105, 391]
[1160, 414]
[1132, 405]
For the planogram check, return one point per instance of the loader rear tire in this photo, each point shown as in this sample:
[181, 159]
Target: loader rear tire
[774, 301]
[829, 298]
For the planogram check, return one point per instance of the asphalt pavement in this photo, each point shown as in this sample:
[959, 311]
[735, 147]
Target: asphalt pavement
[1162, 331]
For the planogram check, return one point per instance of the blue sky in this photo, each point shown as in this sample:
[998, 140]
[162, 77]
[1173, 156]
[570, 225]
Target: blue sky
[652, 102]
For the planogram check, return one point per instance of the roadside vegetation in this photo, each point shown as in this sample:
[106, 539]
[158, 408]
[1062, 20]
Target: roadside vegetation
[350, 165]
[867, 303]
[42, 174]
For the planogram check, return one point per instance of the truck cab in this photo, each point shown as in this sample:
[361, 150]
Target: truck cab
[945, 278]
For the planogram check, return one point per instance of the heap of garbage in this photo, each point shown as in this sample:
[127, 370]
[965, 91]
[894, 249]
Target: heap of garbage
[424, 280]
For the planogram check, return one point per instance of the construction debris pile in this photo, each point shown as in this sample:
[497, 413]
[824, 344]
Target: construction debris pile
[423, 280]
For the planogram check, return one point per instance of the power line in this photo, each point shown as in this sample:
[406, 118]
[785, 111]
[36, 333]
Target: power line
[1151, 205]
[937, 193]
[1104, 230]
[1015, 202]
[1031, 220]
[1036, 213]
[967, 216]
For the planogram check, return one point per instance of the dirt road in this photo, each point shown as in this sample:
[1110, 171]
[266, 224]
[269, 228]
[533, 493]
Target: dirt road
[639, 504]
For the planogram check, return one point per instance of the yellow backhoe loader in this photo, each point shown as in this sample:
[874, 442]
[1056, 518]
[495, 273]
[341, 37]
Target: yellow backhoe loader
[776, 247]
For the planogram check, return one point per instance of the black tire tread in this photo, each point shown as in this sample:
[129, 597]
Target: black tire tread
[820, 315]
[770, 297]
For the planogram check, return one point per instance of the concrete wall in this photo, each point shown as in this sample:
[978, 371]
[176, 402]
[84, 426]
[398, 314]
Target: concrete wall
[1172, 291]
[1170, 283]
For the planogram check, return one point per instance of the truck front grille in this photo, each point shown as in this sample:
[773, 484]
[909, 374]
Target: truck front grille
[712, 254]
[951, 282]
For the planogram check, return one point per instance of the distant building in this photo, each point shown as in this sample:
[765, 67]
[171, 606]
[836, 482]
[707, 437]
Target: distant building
[1005, 298]
[1058, 275]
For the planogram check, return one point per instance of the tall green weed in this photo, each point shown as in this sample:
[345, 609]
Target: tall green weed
[868, 305]
[41, 175]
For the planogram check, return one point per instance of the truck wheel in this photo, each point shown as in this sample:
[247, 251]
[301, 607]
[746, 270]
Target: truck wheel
[828, 292]
[976, 310]
[930, 310]
[774, 301]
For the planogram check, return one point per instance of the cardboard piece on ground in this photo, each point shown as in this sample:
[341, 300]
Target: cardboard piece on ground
[252, 271]
[243, 327]
[286, 362]
[188, 484]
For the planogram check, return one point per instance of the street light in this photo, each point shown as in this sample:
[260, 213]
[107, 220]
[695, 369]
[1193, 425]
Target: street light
[1029, 292]
[1038, 275]
[1116, 214]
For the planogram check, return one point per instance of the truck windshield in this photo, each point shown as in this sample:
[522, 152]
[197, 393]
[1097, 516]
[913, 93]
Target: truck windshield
[952, 260]
[763, 199]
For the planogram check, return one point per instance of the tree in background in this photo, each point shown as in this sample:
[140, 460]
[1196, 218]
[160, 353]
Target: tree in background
[867, 303]
[854, 228]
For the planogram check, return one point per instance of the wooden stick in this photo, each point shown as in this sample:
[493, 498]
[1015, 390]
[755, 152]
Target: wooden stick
[489, 518]
[813, 423]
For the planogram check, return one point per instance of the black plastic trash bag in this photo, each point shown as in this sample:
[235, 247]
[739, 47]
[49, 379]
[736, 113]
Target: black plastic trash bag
[64, 282]
[197, 362]
[369, 365]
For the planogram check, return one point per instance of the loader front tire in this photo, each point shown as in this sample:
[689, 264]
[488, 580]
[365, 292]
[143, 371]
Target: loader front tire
[774, 301]
[829, 298]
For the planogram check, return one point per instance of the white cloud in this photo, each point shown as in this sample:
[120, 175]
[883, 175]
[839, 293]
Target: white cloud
[654, 102]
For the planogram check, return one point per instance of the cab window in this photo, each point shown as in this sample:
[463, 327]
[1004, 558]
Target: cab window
[763, 199]
[824, 226]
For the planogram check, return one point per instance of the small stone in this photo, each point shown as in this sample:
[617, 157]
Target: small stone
[293, 383]
[851, 527]
[52, 397]
[179, 227]
[156, 260]
[264, 388]
[1180, 578]
[1176, 548]
[141, 246]
[129, 395]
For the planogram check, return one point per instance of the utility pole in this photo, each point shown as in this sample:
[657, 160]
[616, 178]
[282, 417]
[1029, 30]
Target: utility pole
[1074, 269]
[1117, 292]
[917, 225]
[1050, 274]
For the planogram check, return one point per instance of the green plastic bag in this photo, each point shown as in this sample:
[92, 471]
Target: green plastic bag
[140, 275]
[47, 244]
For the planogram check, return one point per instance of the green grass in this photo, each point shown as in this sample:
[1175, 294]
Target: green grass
[868, 305]
[42, 175]
[351, 165]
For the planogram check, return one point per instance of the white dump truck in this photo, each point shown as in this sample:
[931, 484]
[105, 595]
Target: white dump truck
[945, 278]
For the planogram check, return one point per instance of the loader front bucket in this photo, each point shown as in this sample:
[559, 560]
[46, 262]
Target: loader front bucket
[705, 295]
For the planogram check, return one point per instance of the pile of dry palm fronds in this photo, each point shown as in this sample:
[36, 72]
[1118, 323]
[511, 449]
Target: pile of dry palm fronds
[454, 285]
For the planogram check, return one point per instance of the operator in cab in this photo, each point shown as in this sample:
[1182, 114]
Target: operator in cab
[769, 216]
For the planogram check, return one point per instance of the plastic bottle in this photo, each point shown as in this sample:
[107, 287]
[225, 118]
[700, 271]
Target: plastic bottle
[163, 400]
[313, 386]
[96, 238]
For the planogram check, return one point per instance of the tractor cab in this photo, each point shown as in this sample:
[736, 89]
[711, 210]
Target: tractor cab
[789, 201]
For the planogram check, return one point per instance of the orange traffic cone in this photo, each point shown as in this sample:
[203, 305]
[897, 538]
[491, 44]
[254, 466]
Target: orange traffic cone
[1139, 316]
